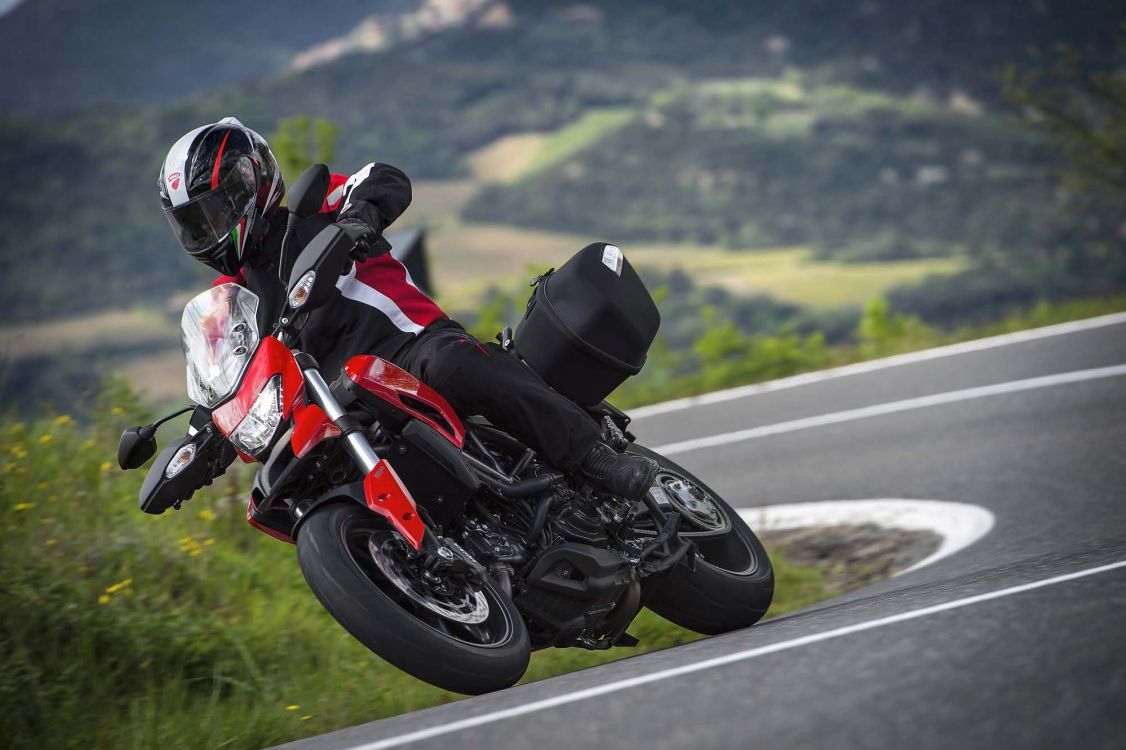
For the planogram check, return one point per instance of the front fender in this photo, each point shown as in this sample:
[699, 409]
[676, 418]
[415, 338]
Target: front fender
[351, 492]
[382, 492]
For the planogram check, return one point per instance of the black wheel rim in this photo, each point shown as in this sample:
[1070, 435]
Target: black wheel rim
[720, 541]
[359, 535]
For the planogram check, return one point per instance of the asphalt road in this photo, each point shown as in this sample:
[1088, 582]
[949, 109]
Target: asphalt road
[1016, 641]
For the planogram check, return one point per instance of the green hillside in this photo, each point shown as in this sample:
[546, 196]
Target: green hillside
[61, 56]
[78, 191]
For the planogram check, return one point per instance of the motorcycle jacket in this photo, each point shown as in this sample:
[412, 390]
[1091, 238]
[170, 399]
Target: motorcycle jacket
[379, 308]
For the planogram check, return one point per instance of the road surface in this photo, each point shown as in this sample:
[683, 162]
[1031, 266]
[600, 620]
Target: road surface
[1016, 641]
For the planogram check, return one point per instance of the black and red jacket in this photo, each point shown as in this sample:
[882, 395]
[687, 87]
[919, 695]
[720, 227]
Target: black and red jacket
[378, 309]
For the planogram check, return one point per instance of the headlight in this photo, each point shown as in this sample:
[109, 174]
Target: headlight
[257, 428]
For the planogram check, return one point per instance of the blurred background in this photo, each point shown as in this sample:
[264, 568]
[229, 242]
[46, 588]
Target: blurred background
[802, 184]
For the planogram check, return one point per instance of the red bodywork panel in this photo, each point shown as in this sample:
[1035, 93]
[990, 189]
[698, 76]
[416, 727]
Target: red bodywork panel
[271, 358]
[387, 496]
[399, 388]
[250, 508]
[310, 426]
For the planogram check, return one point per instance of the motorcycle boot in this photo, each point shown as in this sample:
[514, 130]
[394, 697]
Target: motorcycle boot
[620, 474]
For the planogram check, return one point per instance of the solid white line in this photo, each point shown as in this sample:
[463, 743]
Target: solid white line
[664, 674]
[891, 407]
[872, 365]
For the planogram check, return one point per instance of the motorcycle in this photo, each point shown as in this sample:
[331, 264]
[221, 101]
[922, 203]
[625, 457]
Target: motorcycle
[441, 543]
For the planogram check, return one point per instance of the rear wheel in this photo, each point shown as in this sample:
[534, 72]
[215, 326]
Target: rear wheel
[458, 636]
[733, 581]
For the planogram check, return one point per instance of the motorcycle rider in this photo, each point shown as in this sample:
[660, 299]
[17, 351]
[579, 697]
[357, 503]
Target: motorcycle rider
[222, 191]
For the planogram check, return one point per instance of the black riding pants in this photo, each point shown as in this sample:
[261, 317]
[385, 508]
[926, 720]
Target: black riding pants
[483, 379]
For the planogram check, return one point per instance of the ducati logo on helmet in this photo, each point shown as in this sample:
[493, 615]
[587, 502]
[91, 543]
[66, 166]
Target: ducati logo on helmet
[174, 180]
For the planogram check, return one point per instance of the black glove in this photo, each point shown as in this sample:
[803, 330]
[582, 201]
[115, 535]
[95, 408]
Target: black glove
[365, 238]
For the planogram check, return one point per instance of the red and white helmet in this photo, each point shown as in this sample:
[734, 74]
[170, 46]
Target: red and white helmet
[217, 184]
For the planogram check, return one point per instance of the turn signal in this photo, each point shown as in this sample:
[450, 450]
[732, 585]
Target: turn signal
[299, 294]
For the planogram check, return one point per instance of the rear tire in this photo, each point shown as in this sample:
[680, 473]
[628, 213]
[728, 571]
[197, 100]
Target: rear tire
[733, 581]
[470, 659]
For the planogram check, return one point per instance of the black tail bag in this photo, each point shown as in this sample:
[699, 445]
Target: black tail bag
[589, 325]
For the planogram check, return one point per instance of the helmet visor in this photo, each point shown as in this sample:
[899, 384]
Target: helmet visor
[206, 219]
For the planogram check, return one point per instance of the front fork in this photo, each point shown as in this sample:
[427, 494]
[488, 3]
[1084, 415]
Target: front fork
[354, 441]
[384, 492]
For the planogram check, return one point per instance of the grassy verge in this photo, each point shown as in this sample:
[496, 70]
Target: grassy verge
[725, 357]
[189, 629]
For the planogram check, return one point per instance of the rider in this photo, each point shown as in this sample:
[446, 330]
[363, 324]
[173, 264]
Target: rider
[222, 192]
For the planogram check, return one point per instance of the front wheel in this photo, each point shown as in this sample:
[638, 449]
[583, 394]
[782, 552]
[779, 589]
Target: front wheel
[732, 584]
[458, 636]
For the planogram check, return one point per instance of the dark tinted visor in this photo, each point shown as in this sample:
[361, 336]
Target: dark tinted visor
[204, 220]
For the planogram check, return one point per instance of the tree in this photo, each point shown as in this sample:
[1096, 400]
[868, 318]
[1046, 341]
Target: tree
[1081, 108]
[301, 141]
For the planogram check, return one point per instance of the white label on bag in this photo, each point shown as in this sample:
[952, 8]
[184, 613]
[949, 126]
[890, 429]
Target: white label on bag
[612, 258]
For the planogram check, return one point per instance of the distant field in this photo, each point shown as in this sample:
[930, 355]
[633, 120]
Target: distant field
[468, 258]
[578, 135]
[505, 159]
[513, 156]
[116, 327]
[792, 275]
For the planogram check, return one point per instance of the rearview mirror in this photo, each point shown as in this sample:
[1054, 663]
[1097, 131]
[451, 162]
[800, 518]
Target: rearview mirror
[137, 445]
[308, 194]
[317, 269]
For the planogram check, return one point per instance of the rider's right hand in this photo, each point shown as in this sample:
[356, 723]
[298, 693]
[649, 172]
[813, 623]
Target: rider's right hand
[365, 238]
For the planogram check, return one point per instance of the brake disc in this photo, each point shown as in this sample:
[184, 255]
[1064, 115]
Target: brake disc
[459, 603]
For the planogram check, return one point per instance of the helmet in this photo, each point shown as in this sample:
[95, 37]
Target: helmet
[218, 184]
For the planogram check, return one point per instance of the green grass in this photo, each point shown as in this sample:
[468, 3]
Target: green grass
[189, 629]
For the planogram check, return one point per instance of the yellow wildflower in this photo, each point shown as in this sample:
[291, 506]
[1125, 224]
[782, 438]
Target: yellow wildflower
[63, 420]
[305, 718]
[208, 542]
[191, 547]
[50, 542]
[118, 586]
[23, 506]
[117, 411]
[16, 427]
[46, 439]
[293, 707]
[206, 515]
[41, 486]
[103, 599]
[106, 466]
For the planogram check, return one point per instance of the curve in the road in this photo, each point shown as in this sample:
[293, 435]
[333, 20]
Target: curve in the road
[958, 524]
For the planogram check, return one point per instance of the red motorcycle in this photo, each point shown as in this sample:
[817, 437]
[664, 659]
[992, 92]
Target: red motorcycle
[441, 543]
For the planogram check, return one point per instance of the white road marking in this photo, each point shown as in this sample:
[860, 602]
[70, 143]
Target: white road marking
[719, 661]
[926, 355]
[958, 524]
[891, 407]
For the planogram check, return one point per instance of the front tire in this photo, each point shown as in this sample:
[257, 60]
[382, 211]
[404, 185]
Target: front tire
[449, 642]
[733, 581]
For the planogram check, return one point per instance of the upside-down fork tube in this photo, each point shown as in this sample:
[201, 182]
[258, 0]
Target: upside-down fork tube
[384, 492]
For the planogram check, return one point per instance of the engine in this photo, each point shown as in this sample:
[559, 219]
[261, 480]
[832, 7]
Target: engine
[571, 563]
